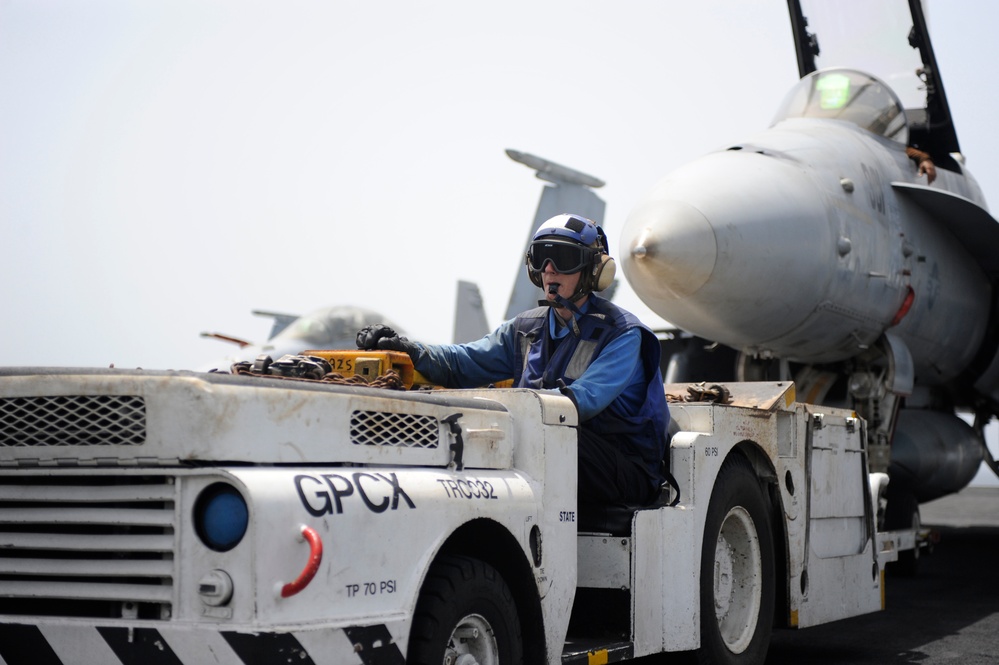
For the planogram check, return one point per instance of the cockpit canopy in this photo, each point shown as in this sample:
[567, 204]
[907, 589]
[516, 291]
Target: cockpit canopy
[889, 39]
[330, 327]
[851, 95]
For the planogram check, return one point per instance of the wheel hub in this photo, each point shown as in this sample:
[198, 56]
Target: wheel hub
[738, 579]
[472, 643]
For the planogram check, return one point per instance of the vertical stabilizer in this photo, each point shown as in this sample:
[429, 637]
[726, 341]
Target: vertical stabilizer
[469, 314]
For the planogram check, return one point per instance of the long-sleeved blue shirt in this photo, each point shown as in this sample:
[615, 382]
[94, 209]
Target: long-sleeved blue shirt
[615, 375]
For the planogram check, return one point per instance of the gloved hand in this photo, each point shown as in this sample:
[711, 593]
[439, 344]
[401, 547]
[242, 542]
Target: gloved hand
[368, 336]
[381, 337]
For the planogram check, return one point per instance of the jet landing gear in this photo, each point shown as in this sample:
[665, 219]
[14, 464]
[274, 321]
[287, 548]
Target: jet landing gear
[981, 420]
[882, 378]
[902, 514]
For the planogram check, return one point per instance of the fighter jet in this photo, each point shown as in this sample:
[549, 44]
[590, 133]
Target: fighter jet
[818, 250]
[325, 328]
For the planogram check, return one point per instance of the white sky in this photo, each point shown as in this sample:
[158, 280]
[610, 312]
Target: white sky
[166, 167]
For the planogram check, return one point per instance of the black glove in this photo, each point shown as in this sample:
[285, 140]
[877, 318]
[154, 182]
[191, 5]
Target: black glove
[381, 337]
[368, 336]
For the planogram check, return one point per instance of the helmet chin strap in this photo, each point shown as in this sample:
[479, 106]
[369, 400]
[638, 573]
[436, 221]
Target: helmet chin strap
[570, 305]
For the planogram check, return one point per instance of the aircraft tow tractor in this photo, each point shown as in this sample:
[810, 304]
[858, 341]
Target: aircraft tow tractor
[264, 516]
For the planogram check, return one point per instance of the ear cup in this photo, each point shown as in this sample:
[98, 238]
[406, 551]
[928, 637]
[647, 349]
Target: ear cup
[603, 273]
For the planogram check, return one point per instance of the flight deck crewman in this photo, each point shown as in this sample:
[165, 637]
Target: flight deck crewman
[596, 353]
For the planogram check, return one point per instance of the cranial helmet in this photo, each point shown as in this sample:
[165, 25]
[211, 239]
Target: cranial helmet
[572, 244]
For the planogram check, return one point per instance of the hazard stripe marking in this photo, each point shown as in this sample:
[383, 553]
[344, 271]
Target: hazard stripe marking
[198, 647]
[268, 648]
[25, 645]
[57, 645]
[374, 645]
[78, 643]
[139, 645]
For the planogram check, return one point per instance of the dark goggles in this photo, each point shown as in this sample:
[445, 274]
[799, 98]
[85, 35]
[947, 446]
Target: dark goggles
[566, 258]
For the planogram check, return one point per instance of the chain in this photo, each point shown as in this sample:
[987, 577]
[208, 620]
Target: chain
[700, 392]
[388, 381]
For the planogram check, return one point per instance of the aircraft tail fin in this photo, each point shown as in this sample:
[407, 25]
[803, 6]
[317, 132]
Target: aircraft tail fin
[280, 321]
[470, 321]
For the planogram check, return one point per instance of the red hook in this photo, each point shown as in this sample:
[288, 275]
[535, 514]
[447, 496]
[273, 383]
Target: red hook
[311, 568]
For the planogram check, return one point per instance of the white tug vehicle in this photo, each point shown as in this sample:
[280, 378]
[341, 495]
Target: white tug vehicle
[182, 517]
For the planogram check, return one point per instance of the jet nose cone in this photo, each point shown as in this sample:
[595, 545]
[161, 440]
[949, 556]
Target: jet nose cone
[671, 262]
[733, 247]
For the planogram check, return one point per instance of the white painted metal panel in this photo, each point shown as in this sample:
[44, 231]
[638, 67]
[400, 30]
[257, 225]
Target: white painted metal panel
[604, 562]
[651, 597]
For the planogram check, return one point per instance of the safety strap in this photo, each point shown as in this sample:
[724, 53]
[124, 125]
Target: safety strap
[671, 481]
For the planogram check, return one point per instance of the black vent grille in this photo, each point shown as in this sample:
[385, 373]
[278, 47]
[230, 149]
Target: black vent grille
[376, 428]
[73, 420]
[87, 546]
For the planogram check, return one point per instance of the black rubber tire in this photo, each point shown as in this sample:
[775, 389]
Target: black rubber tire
[738, 504]
[902, 513]
[461, 590]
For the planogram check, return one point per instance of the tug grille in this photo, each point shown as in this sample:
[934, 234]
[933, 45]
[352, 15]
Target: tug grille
[376, 428]
[87, 546]
[73, 420]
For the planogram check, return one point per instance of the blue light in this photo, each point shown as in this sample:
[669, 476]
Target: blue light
[221, 517]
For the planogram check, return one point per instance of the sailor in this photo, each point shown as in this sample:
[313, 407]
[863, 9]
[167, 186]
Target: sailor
[597, 354]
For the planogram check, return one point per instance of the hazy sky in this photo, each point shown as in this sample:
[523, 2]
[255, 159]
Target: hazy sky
[166, 167]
